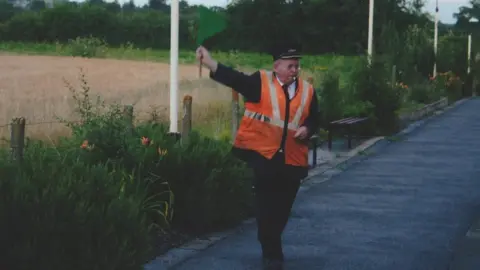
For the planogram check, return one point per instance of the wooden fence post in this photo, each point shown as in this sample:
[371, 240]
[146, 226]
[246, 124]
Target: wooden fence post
[235, 114]
[17, 141]
[128, 116]
[186, 119]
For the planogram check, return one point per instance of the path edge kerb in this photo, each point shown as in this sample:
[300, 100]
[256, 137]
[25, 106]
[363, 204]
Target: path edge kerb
[180, 254]
[375, 144]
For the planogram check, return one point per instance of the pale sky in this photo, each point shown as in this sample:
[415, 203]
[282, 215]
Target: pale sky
[446, 7]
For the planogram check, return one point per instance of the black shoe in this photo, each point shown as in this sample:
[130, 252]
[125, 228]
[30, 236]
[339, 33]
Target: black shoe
[272, 264]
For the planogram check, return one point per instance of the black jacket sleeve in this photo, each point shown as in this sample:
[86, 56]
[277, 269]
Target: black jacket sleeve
[249, 86]
[312, 121]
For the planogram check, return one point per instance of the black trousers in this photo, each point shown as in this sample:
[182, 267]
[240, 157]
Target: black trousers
[275, 190]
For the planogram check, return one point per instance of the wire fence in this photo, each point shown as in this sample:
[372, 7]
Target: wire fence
[63, 123]
[212, 119]
[157, 112]
[39, 123]
[51, 130]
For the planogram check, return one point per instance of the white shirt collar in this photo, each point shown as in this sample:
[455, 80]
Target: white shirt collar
[291, 88]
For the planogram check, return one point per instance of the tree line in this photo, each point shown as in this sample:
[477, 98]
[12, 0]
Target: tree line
[321, 26]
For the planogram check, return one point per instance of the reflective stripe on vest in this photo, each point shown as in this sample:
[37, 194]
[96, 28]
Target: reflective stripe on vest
[276, 119]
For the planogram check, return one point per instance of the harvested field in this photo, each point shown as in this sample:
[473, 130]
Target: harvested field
[35, 87]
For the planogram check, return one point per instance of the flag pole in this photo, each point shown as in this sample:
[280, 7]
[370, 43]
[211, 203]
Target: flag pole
[174, 21]
[370, 30]
[211, 23]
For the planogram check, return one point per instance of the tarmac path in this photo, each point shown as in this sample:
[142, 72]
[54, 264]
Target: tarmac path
[405, 207]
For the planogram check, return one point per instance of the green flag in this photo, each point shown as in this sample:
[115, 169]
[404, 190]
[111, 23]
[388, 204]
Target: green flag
[209, 24]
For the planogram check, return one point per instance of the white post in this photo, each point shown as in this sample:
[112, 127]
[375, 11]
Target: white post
[370, 30]
[174, 21]
[435, 41]
[469, 52]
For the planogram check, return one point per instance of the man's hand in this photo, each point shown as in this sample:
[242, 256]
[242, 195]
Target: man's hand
[301, 133]
[204, 57]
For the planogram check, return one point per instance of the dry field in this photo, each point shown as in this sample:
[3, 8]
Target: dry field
[34, 87]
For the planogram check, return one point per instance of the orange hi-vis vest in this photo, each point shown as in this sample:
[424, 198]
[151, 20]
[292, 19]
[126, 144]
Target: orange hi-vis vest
[263, 123]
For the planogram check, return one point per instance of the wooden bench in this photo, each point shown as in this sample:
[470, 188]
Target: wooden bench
[346, 123]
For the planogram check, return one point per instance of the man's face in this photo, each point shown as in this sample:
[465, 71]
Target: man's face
[287, 69]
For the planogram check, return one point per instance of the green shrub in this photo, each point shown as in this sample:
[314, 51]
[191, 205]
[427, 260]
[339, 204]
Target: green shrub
[100, 198]
[24, 26]
[58, 212]
[211, 187]
[452, 53]
[358, 109]
[454, 87]
[450, 85]
[330, 98]
[88, 47]
[424, 92]
[419, 94]
[336, 101]
[370, 84]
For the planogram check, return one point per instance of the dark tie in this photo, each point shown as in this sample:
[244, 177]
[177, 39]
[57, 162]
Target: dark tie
[285, 90]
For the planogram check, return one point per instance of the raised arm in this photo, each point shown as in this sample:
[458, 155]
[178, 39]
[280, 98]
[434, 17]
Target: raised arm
[248, 86]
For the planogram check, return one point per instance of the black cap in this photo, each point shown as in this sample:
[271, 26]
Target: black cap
[286, 51]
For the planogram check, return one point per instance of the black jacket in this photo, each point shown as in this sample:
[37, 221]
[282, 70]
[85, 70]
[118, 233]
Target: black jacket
[249, 86]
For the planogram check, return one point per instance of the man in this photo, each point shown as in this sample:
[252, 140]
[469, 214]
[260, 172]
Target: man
[280, 116]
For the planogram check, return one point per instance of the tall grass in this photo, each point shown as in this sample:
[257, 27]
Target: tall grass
[41, 95]
[150, 91]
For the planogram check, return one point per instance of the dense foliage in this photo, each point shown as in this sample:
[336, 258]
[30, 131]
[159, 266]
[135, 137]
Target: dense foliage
[252, 24]
[104, 197]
